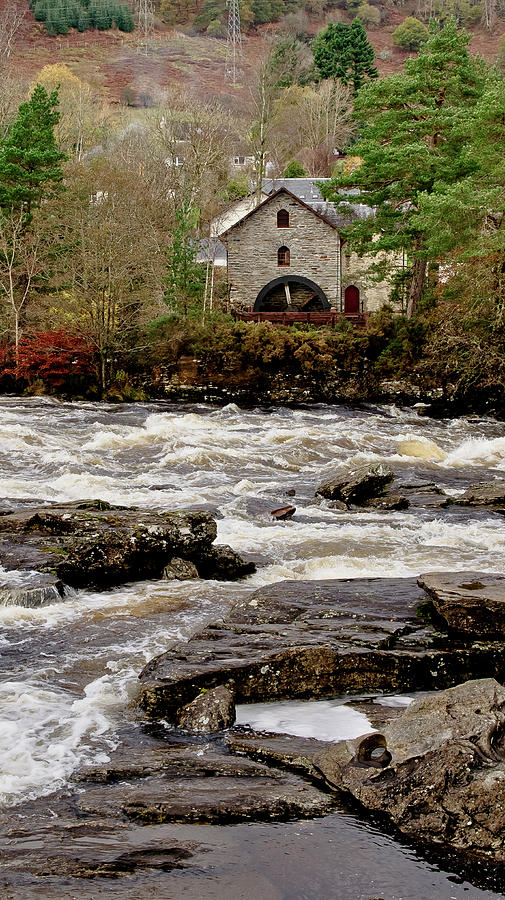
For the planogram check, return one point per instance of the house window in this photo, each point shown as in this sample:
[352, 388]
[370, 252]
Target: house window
[283, 256]
[239, 160]
[283, 219]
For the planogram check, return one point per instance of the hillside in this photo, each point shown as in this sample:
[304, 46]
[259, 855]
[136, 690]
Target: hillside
[109, 60]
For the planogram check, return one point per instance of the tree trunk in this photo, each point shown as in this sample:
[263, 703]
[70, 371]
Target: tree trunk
[416, 286]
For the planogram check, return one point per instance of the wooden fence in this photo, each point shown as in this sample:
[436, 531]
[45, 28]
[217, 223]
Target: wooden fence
[319, 319]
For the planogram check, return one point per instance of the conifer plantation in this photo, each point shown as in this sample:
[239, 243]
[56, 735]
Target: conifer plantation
[61, 15]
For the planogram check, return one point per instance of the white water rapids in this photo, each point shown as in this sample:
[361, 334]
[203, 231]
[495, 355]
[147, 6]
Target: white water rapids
[68, 671]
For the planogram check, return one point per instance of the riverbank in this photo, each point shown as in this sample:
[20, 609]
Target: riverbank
[439, 359]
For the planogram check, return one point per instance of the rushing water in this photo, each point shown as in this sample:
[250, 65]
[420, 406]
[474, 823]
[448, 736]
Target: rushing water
[68, 671]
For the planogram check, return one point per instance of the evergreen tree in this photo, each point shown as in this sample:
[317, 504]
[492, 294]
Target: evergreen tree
[343, 52]
[414, 144]
[30, 162]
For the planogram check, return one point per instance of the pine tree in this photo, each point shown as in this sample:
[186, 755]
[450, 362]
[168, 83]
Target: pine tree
[362, 55]
[414, 144]
[30, 162]
[343, 52]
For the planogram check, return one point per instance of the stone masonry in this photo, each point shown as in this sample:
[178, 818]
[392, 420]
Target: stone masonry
[316, 253]
[253, 243]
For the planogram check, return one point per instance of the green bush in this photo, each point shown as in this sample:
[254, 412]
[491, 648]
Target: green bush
[410, 34]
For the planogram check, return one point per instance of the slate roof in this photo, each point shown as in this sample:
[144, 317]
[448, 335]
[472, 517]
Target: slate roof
[307, 190]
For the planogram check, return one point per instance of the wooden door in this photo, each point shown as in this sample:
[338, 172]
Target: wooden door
[351, 301]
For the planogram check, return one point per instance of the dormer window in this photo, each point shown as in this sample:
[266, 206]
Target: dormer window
[283, 256]
[283, 219]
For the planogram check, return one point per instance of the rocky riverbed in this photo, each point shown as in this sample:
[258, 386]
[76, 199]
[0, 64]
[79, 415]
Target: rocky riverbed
[386, 585]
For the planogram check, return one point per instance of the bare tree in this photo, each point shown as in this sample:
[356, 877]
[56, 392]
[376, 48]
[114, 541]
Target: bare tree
[323, 116]
[22, 257]
[12, 15]
[489, 13]
[112, 259]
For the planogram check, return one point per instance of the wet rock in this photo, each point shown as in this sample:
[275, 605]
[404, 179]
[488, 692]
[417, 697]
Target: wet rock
[152, 801]
[223, 564]
[318, 639]
[180, 570]
[211, 711]
[469, 602]
[424, 495]
[390, 502]
[36, 590]
[486, 493]
[286, 750]
[445, 783]
[91, 544]
[358, 486]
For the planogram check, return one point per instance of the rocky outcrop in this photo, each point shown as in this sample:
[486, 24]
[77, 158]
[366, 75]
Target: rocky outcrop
[210, 712]
[317, 639]
[437, 771]
[486, 493]
[92, 544]
[357, 487]
[445, 781]
[471, 603]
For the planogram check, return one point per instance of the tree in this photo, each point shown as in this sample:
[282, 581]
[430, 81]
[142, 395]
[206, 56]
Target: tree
[343, 52]
[182, 269]
[30, 161]
[80, 112]
[294, 169]
[12, 15]
[410, 34]
[323, 114]
[110, 256]
[23, 254]
[414, 141]
[463, 221]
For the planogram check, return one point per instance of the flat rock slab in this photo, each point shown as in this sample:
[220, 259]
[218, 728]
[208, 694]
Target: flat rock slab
[92, 544]
[317, 639]
[469, 602]
[486, 493]
[222, 799]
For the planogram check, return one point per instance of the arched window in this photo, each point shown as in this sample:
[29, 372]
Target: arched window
[283, 256]
[283, 219]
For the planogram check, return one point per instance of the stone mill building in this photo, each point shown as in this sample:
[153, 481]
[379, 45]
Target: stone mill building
[287, 254]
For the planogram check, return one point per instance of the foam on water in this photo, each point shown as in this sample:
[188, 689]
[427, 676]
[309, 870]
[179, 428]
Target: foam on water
[326, 720]
[61, 707]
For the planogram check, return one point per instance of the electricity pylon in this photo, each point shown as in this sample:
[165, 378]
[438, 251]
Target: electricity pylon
[145, 25]
[234, 43]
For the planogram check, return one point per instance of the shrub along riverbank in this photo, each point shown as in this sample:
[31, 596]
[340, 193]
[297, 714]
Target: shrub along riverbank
[446, 356]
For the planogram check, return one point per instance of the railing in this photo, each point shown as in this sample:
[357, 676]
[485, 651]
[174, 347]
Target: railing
[319, 319]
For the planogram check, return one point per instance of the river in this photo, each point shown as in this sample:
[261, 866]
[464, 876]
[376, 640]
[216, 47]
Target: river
[68, 672]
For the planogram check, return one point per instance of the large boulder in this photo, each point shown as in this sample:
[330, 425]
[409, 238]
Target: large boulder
[445, 781]
[93, 544]
[472, 603]
[358, 486]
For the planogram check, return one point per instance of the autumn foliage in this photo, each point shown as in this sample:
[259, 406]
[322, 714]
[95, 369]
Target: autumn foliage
[56, 358]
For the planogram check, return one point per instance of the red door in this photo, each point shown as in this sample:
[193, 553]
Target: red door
[351, 301]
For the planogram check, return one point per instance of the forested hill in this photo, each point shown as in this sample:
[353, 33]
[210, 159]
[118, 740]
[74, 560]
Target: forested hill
[188, 47]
